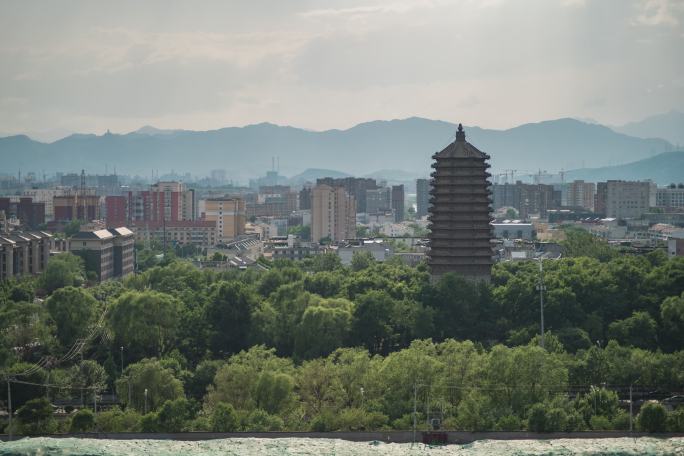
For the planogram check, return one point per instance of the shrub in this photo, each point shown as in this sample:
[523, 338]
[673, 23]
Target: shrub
[536, 418]
[116, 420]
[149, 423]
[508, 423]
[620, 422]
[173, 415]
[261, 421]
[224, 418]
[675, 420]
[556, 420]
[652, 418]
[600, 423]
[82, 421]
[36, 417]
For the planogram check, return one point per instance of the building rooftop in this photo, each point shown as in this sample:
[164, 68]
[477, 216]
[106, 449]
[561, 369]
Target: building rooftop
[95, 234]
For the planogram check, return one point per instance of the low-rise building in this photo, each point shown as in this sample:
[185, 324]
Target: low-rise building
[201, 233]
[290, 248]
[376, 247]
[106, 253]
[514, 230]
[23, 253]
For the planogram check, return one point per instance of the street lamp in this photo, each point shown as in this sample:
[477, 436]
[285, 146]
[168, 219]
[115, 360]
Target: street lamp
[122, 360]
[542, 288]
[145, 401]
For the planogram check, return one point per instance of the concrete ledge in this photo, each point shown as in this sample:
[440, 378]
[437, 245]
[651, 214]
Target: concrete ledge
[454, 437]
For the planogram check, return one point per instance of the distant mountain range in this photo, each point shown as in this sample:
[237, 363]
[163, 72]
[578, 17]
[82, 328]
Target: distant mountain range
[403, 146]
[663, 169]
[668, 126]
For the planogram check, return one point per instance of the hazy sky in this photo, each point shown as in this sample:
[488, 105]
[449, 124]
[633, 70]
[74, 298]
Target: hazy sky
[90, 66]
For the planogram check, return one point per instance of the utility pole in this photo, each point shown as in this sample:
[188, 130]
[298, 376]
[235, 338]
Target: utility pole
[541, 289]
[630, 409]
[9, 407]
[415, 400]
[95, 400]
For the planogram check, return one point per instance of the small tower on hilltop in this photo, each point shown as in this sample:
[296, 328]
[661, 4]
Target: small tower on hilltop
[460, 230]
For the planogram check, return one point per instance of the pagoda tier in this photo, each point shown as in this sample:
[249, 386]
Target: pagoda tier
[460, 230]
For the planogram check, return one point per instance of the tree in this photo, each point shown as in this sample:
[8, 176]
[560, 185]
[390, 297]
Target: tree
[639, 330]
[73, 310]
[223, 418]
[274, 392]
[362, 260]
[323, 328]
[89, 377]
[150, 375]
[36, 417]
[652, 418]
[145, 322]
[672, 317]
[229, 316]
[173, 415]
[580, 243]
[371, 325]
[82, 421]
[63, 270]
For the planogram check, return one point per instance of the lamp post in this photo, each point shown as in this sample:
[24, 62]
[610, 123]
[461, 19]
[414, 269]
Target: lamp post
[542, 288]
[122, 360]
[145, 401]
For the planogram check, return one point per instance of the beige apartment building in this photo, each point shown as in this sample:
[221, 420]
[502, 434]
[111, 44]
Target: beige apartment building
[333, 214]
[581, 194]
[629, 199]
[229, 215]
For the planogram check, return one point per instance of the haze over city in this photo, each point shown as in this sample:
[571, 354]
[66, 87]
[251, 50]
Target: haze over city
[92, 66]
[388, 227]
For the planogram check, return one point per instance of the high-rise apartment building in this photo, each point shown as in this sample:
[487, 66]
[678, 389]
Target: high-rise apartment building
[333, 214]
[581, 194]
[30, 214]
[355, 186]
[164, 201]
[671, 197]
[625, 199]
[422, 197]
[378, 200]
[526, 198]
[229, 214]
[398, 202]
[77, 205]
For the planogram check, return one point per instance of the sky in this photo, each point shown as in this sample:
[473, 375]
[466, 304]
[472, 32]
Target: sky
[89, 66]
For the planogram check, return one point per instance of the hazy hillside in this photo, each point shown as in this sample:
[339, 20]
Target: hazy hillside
[668, 126]
[403, 145]
[663, 169]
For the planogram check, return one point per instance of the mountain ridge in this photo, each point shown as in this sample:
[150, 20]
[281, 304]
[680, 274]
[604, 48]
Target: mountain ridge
[397, 144]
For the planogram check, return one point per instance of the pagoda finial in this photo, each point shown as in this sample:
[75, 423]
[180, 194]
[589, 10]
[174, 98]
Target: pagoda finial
[460, 134]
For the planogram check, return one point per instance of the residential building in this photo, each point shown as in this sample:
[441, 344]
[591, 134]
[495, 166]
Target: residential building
[29, 213]
[115, 211]
[124, 251]
[675, 245]
[228, 214]
[527, 199]
[422, 197]
[460, 229]
[106, 253]
[378, 200]
[46, 196]
[76, 205]
[272, 201]
[581, 194]
[513, 230]
[23, 252]
[355, 187]
[379, 250]
[305, 198]
[398, 202]
[166, 200]
[290, 248]
[201, 233]
[671, 197]
[626, 199]
[333, 214]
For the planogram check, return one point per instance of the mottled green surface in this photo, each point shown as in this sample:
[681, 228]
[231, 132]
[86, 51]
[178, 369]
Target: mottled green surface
[302, 446]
